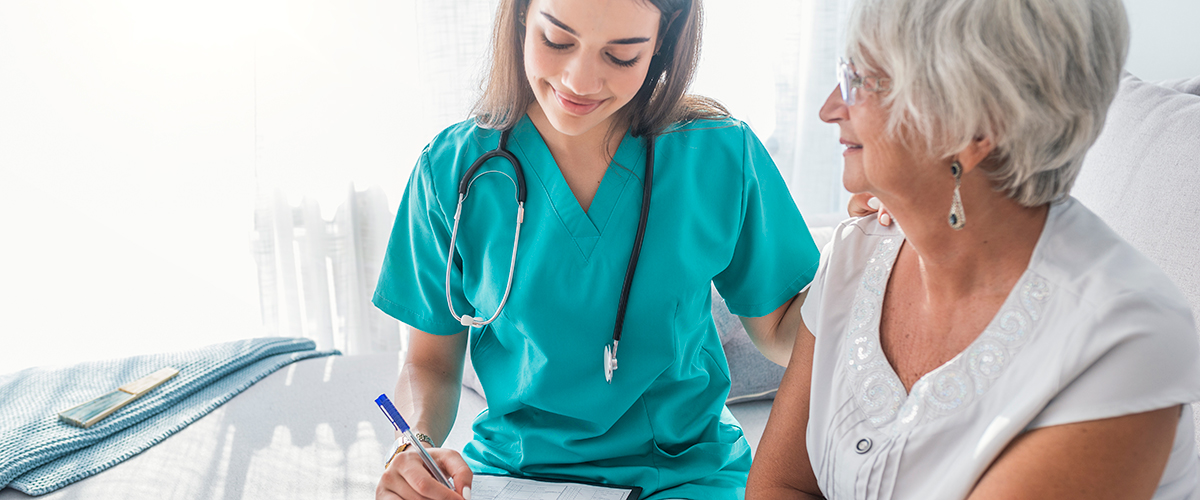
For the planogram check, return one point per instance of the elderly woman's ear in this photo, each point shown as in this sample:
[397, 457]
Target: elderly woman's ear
[975, 153]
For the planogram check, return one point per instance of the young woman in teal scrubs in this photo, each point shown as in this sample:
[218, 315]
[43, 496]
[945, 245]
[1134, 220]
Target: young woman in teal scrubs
[583, 87]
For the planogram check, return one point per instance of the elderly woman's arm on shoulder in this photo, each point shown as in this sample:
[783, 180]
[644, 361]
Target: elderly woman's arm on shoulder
[1121, 457]
[781, 465]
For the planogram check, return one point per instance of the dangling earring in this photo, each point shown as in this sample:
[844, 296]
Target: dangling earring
[958, 219]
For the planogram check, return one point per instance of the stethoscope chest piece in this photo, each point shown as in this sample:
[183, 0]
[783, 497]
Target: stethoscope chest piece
[610, 361]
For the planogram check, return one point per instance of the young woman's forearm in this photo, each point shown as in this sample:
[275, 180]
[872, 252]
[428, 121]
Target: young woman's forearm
[430, 382]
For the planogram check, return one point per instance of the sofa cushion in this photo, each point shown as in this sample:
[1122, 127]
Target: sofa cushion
[1185, 85]
[751, 375]
[1143, 174]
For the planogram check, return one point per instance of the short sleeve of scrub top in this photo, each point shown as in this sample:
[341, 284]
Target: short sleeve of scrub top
[720, 213]
[412, 286]
[773, 238]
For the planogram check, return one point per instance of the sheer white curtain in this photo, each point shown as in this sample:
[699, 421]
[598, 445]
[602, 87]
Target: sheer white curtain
[329, 188]
[386, 77]
[316, 275]
[771, 62]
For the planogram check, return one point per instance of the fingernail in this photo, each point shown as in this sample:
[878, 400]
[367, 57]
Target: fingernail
[885, 219]
[873, 203]
[466, 493]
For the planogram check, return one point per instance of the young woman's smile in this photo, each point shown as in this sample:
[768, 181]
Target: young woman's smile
[577, 105]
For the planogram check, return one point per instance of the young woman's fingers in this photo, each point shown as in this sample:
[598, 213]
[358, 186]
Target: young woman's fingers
[409, 479]
[384, 492]
[860, 205]
[454, 466]
[863, 204]
[395, 489]
[392, 486]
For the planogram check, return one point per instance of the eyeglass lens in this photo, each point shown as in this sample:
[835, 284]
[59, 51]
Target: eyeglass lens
[843, 75]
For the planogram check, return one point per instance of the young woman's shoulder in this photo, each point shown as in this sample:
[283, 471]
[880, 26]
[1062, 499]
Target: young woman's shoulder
[715, 142]
[706, 129]
[460, 141]
[713, 135]
[449, 155]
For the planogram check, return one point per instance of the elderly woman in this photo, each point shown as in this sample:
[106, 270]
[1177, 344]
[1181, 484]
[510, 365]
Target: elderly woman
[1004, 343]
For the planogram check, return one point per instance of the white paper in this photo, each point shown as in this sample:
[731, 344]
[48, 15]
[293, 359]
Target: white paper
[485, 487]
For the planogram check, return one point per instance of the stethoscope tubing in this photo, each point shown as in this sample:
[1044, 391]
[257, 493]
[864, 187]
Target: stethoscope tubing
[466, 319]
[643, 216]
[464, 186]
[500, 151]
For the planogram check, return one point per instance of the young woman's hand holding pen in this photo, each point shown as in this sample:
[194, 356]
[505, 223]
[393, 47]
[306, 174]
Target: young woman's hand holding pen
[407, 478]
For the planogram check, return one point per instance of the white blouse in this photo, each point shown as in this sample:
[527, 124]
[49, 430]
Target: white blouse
[1092, 330]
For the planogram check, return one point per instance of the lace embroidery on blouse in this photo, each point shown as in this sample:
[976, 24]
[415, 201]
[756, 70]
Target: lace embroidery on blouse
[878, 391]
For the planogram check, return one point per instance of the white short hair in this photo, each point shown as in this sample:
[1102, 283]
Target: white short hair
[1035, 76]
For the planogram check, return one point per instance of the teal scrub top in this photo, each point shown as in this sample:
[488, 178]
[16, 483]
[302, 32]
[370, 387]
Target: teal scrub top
[720, 213]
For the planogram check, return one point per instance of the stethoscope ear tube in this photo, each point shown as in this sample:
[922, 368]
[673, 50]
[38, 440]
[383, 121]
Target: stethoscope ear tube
[466, 319]
[501, 152]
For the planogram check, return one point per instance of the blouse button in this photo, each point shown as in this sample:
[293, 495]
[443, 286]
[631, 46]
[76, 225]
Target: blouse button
[863, 446]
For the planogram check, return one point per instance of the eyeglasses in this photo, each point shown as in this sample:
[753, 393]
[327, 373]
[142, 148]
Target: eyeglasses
[850, 81]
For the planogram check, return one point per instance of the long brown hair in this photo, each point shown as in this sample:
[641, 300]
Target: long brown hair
[661, 101]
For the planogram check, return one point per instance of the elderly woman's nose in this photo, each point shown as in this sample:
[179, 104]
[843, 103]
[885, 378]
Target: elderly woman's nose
[834, 108]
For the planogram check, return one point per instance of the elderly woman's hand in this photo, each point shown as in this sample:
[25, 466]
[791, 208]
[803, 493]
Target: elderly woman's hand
[863, 204]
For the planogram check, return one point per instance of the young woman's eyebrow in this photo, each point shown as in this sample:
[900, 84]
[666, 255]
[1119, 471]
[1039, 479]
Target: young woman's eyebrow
[619, 41]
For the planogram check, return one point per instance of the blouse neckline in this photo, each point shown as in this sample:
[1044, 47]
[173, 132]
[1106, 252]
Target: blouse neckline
[947, 389]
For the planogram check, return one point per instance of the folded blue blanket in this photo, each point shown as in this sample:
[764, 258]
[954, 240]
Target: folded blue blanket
[39, 454]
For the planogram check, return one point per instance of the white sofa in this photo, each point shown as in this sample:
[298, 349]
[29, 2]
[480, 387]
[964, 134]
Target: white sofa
[312, 430]
[1143, 174]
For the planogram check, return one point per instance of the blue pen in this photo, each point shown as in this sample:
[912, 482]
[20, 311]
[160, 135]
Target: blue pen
[385, 404]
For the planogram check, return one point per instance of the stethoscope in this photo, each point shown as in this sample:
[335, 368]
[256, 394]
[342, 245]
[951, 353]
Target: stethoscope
[464, 186]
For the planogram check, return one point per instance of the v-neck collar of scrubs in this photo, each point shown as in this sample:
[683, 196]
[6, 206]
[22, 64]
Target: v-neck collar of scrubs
[585, 227]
